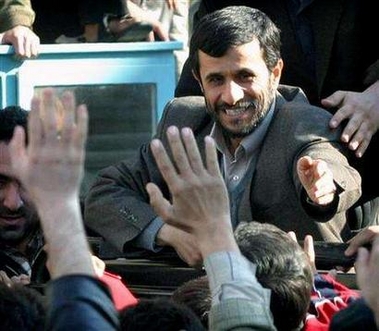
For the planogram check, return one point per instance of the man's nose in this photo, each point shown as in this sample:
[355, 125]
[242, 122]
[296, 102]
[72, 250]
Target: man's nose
[11, 196]
[232, 93]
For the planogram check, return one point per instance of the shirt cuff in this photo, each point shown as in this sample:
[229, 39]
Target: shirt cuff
[231, 275]
[146, 239]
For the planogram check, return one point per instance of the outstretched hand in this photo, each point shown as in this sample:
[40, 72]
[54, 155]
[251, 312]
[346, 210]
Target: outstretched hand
[317, 180]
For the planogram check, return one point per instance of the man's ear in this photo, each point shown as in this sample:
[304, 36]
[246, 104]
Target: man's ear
[277, 71]
[198, 80]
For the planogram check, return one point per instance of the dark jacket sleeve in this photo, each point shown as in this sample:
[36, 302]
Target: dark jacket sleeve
[356, 317]
[80, 302]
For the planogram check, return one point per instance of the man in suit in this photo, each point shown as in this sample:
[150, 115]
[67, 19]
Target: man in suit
[281, 162]
[326, 54]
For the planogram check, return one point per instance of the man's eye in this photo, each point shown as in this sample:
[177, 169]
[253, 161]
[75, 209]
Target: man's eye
[215, 80]
[246, 76]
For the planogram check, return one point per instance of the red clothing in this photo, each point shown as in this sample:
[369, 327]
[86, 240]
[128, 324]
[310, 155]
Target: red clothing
[328, 297]
[122, 297]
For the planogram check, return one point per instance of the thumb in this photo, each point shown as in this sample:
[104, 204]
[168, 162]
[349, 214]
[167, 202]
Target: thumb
[304, 163]
[333, 100]
[159, 203]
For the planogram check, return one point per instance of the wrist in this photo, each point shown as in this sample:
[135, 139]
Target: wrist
[220, 239]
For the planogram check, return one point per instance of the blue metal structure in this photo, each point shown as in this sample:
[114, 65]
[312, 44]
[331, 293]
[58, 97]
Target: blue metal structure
[125, 86]
[81, 64]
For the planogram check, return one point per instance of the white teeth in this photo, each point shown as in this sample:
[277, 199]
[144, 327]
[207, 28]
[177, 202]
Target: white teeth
[234, 111]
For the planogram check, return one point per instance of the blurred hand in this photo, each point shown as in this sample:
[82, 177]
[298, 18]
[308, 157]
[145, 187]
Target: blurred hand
[361, 110]
[365, 236]
[51, 166]
[367, 268]
[10, 281]
[171, 4]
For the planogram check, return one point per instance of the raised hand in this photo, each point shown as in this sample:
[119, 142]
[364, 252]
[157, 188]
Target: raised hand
[51, 166]
[200, 202]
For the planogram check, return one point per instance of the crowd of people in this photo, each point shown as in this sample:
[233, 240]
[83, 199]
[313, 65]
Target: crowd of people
[263, 143]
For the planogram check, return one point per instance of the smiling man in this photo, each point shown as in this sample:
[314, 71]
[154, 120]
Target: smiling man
[280, 161]
[20, 237]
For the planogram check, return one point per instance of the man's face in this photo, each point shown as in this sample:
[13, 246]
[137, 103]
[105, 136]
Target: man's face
[238, 87]
[18, 217]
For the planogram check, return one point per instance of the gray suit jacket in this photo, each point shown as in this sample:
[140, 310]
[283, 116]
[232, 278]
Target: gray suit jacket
[117, 205]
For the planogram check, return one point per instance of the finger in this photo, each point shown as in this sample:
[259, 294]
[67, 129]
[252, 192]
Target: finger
[325, 199]
[351, 127]
[19, 47]
[164, 163]
[68, 116]
[81, 132]
[192, 150]
[27, 47]
[36, 134]
[160, 205]
[49, 115]
[361, 262]
[335, 100]
[212, 157]
[361, 139]
[304, 163]
[309, 249]
[178, 151]
[17, 149]
[364, 237]
[292, 235]
[321, 168]
[35, 47]
[324, 187]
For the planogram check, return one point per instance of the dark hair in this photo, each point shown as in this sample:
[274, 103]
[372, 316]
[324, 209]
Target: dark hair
[196, 295]
[159, 315]
[10, 117]
[235, 26]
[21, 308]
[283, 267]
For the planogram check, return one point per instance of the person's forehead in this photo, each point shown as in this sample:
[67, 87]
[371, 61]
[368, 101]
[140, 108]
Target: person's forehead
[249, 54]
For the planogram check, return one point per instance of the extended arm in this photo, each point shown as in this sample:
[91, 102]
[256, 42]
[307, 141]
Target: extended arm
[51, 168]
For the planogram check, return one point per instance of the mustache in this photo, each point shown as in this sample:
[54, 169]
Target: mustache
[239, 105]
[8, 213]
